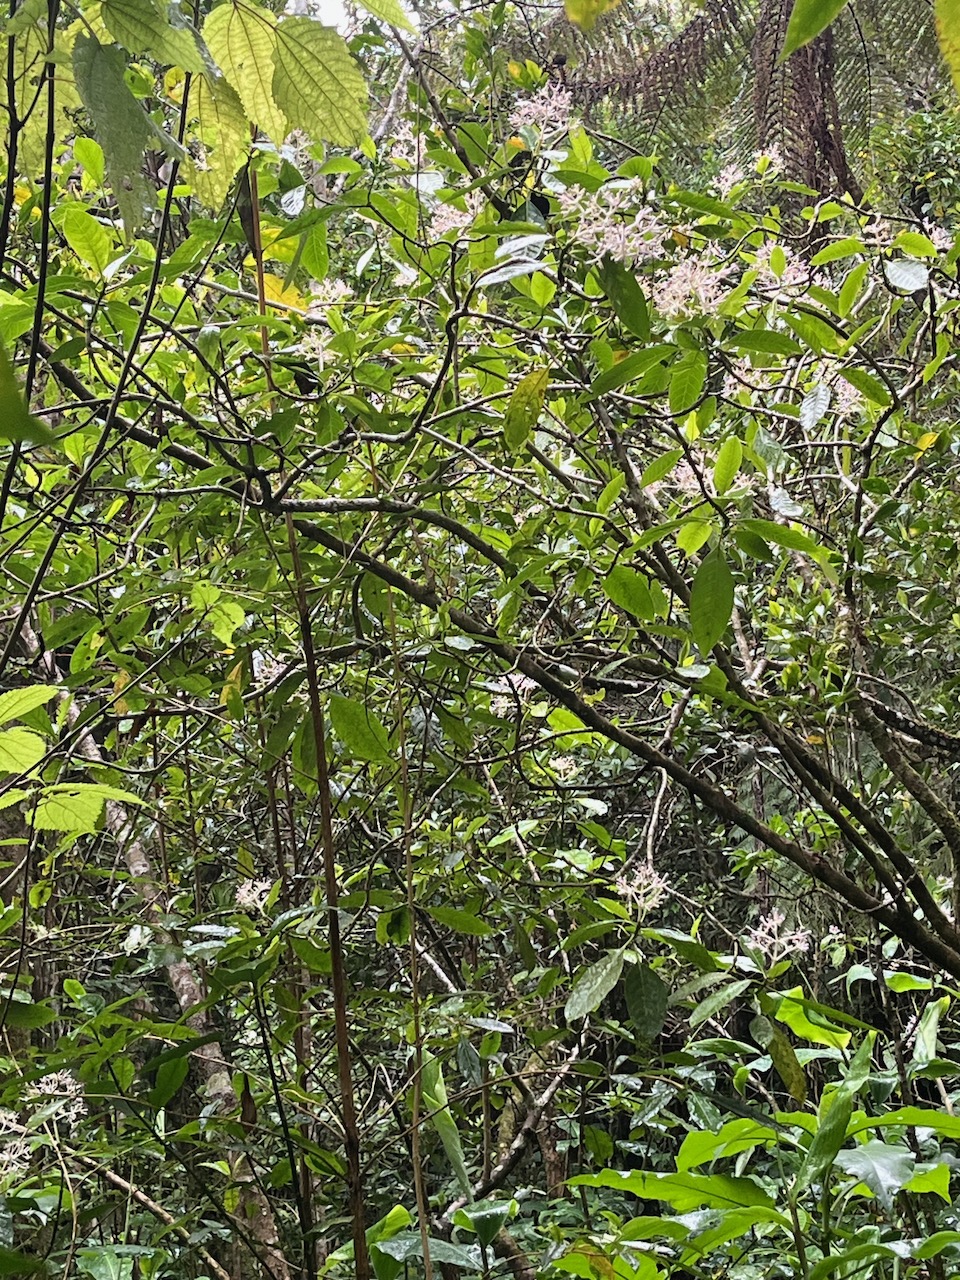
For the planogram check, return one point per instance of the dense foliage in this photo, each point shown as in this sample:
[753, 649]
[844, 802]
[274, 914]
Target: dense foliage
[479, 657]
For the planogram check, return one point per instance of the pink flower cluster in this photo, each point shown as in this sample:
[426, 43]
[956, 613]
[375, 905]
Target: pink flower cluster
[608, 224]
[547, 110]
[447, 217]
[691, 286]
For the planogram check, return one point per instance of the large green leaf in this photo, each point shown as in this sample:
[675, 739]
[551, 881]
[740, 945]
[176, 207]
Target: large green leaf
[711, 601]
[626, 297]
[225, 133]
[685, 1191]
[242, 40]
[592, 985]
[389, 11]
[143, 26]
[17, 703]
[434, 1092]
[317, 84]
[17, 423]
[524, 408]
[646, 996]
[89, 239]
[120, 124]
[808, 19]
[885, 1169]
[359, 729]
[20, 749]
[630, 590]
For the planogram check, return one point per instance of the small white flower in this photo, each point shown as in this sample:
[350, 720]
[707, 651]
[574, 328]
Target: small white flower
[691, 286]
[730, 176]
[547, 110]
[609, 224]
[66, 1093]
[252, 894]
[14, 1146]
[643, 890]
[325, 294]
[447, 217]
[773, 941]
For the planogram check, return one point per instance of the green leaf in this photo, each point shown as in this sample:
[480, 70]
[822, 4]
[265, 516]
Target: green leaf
[242, 40]
[17, 423]
[317, 84]
[20, 749]
[224, 619]
[435, 1099]
[359, 729]
[660, 467]
[808, 19]
[314, 254]
[142, 26]
[711, 602]
[631, 591]
[718, 1000]
[839, 249]
[89, 153]
[87, 237]
[485, 1219]
[461, 921]
[700, 1146]
[13, 1263]
[727, 465]
[389, 11]
[592, 985]
[766, 342]
[947, 18]
[808, 1022]
[630, 368]
[868, 385]
[687, 381]
[646, 998]
[26, 1016]
[827, 1141]
[224, 130]
[884, 1169]
[120, 124]
[626, 297]
[782, 535]
[524, 408]
[685, 1191]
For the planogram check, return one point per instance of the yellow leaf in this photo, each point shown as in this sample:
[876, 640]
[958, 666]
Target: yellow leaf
[275, 291]
[947, 17]
[927, 439]
[515, 70]
[584, 13]
[232, 685]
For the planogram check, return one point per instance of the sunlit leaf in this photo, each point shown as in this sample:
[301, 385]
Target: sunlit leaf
[317, 83]
[807, 20]
[524, 408]
[242, 39]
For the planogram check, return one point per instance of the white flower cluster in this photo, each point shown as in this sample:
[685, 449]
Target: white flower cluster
[325, 294]
[643, 890]
[742, 376]
[252, 894]
[690, 287]
[608, 223]
[547, 110]
[14, 1147]
[447, 217]
[788, 273]
[773, 941]
[513, 688]
[65, 1093]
